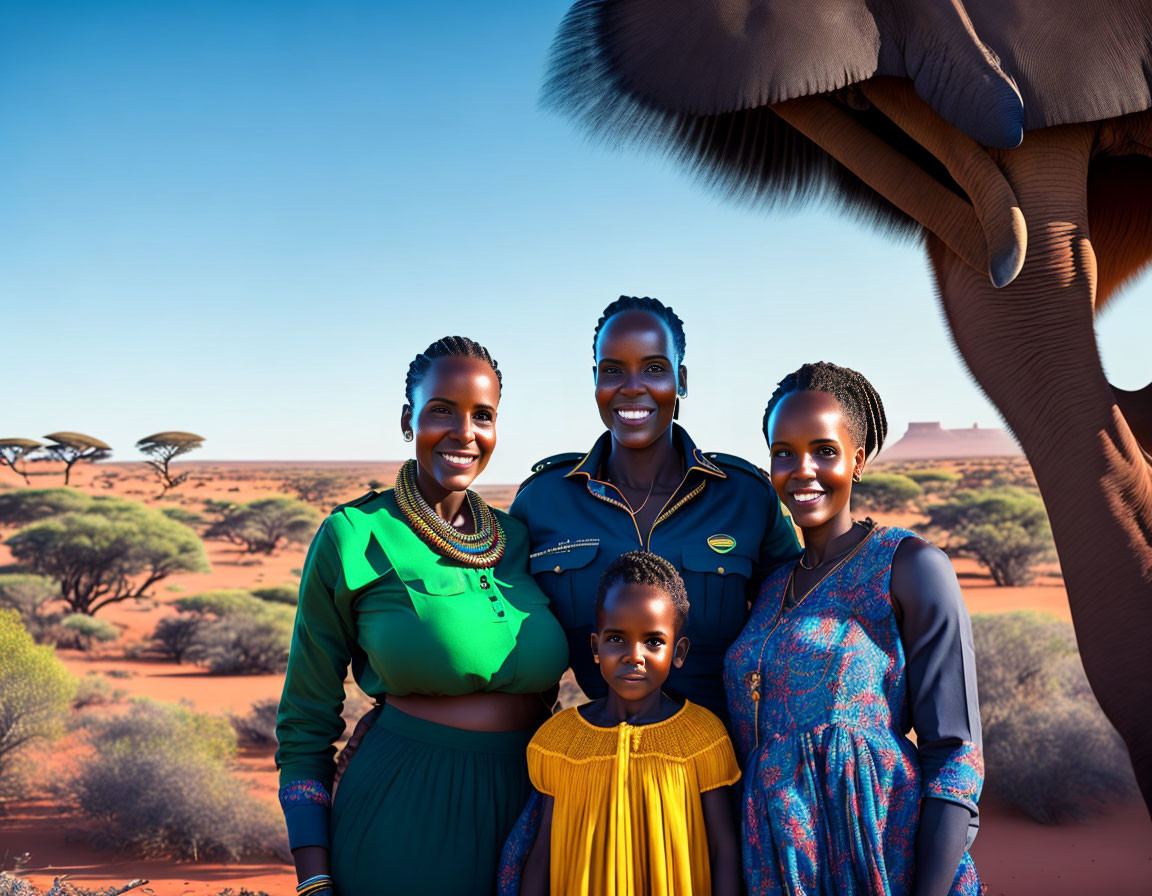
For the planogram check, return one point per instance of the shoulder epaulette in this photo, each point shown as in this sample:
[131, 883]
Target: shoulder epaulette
[563, 462]
[738, 463]
[357, 502]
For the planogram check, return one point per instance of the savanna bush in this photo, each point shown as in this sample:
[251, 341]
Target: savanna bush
[884, 492]
[933, 479]
[159, 780]
[174, 636]
[109, 550]
[258, 726]
[1005, 528]
[229, 631]
[31, 596]
[239, 644]
[265, 525]
[278, 594]
[36, 691]
[81, 631]
[1048, 749]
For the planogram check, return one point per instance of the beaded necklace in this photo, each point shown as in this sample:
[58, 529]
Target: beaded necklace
[481, 549]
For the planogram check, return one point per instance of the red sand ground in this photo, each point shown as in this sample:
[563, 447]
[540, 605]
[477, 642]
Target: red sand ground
[1111, 854]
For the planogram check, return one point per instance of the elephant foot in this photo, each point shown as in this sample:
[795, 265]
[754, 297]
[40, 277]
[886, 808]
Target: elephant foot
[1137, 410]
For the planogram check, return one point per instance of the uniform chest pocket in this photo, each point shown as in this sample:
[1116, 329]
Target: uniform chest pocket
[436, 580]
[567, 572]
[717, 590]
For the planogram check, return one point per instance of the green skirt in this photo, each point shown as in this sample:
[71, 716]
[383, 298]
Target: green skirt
[425, 808]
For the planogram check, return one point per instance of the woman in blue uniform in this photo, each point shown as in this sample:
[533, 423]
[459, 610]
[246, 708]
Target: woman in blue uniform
[645, 485]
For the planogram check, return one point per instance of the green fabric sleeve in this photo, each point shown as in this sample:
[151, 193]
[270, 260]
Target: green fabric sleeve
[309, 723]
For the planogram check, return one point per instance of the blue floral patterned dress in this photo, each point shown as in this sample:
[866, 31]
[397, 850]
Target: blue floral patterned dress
[819, 700]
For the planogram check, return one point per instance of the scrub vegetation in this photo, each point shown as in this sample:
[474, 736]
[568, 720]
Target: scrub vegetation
[102, 550]
[264, 526]
[36, 692]
[1048, 749]
[230, 632]
[159, 780]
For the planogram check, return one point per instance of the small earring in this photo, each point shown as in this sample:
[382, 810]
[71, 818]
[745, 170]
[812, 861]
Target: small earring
[407, 435]
[856, 477]
[682, 392]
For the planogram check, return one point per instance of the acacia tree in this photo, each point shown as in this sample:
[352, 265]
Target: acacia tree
[73, 447]
[162, 448]
[109, 552]
[12, 450]
[317, 488]
[1006, 529]
[32, 504]
[263, 526]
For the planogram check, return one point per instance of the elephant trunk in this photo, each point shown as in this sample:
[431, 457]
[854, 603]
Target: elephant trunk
[988, 231]
[1032, 348]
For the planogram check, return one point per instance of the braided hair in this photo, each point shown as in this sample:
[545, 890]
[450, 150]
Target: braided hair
[859, 400]
[652, 306]
[644, 568]
[449, 346]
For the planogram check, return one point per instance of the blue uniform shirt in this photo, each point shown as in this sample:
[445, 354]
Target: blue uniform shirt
[723, 529]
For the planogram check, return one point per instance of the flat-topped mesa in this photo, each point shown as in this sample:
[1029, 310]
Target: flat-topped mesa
[929, 440]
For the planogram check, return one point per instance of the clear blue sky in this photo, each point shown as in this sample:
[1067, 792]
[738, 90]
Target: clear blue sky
[244, 218]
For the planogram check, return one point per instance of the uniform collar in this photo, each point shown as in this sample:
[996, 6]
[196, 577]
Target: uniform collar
[693, 457]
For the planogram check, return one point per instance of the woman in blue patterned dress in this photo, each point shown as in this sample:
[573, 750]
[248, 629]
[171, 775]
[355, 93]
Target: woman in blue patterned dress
[863, 639]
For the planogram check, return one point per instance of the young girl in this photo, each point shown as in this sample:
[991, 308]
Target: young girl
[636, 787]
[860, 640]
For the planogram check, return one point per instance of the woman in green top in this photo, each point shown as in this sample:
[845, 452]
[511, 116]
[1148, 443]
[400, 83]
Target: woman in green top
[424, 591]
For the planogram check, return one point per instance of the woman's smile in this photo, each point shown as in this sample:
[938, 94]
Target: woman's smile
[459, 459]
[633, 415]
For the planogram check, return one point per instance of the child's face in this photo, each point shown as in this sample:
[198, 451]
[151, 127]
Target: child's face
[635, 642]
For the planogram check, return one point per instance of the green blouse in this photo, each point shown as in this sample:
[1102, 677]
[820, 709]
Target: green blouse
[408, 621]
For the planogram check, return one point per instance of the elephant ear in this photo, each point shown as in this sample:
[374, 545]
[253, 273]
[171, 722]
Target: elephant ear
[624, 64]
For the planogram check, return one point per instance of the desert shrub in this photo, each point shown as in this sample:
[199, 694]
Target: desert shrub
[36, 691]
[1006, 529]
[263, 526]
[61, 886]
[30, 595]
[239, 644]
[1048, 749]
[932, 479]
[92, 690]
[259, 725]
[33, 504]
[81, 632]
[185, 517]
[884, 492]
[278, 594]
[220, 602]
[159, 779]
[236, 633]
[110, 551]
[174, 635]
[321, 489]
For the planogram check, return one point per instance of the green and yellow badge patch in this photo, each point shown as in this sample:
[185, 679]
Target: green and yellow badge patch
[721, 544]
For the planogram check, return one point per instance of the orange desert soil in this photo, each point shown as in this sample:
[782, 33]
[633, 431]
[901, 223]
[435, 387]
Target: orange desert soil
[1110, 853]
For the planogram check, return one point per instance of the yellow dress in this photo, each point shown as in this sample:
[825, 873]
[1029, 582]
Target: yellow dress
[627, 818]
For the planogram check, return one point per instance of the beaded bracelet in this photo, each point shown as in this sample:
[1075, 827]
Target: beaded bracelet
[314, 885]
